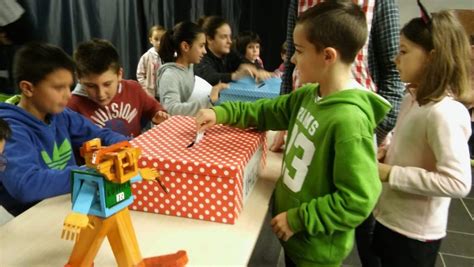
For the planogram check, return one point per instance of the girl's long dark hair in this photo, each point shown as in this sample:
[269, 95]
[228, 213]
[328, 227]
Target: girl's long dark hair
[170, 41]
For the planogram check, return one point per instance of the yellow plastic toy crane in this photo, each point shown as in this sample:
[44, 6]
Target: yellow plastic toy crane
[101, 194]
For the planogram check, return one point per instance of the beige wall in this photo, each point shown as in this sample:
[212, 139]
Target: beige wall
[409, 8]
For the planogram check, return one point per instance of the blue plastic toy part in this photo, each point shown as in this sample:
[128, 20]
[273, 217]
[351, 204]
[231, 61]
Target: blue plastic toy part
[92, 194]
[85, 197]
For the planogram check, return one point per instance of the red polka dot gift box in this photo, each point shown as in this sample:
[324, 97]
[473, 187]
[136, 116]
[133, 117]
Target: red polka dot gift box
[209, 180]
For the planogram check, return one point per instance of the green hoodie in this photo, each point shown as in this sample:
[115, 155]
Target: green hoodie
[329, 181]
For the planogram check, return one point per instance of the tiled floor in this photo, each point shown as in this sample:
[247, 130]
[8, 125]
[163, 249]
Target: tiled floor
[457, 249]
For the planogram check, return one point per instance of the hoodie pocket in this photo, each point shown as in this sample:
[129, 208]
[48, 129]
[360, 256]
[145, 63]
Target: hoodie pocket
[321, 249]
[284, 199]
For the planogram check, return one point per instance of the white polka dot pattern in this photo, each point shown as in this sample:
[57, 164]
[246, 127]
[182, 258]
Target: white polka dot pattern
[204, 181]
[247, 90]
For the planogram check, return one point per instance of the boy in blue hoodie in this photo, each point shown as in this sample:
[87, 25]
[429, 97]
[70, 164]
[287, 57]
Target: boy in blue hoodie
[5, 133]
[329, 181]
[44, 132]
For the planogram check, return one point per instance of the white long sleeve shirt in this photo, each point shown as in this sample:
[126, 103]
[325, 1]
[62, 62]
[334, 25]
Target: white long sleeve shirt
[147, 67]
[431, 164]
[10, 12]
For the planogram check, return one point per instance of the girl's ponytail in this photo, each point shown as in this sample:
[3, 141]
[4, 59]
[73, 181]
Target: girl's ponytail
[167, 50]
[170, 42]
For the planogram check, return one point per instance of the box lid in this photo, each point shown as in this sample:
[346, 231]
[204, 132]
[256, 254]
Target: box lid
[247, 86]
[224, 151]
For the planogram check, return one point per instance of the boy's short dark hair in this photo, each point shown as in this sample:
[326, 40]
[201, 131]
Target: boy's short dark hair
[244, 39]
[5, 131]
[337, 24]
[34, 61]
[96, 57]
[210, 24]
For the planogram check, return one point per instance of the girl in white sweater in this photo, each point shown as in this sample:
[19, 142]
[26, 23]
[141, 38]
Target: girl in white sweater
[427, 161]
[150, 62]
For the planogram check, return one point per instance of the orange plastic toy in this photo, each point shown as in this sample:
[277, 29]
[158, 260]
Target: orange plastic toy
[101, 195]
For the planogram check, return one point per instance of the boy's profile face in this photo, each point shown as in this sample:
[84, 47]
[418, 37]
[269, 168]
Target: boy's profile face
[155, 39]
[50, 95]
[309, 62]
[222, 41]
[252, 51]
[102, 88]
[2, 145]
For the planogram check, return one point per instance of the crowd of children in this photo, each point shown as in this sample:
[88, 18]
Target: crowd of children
[333, 176]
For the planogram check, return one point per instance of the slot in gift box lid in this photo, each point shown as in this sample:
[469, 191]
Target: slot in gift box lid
[224, 151]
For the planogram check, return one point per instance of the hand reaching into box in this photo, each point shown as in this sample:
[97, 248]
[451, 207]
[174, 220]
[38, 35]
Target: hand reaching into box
[205, 119]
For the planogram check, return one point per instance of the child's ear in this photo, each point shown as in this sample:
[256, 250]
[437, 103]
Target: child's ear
[431, 54]
[330, 54]
[184, 46]
[26, 88]
[120, 74]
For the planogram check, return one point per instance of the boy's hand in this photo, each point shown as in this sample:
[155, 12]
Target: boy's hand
[205, 118]
[216, 89]
[383, 147]
[160, 117]
[281, 227]
[384, 171]
[381, 151]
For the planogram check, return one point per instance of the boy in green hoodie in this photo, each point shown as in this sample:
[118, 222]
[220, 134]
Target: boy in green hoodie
[329, 181]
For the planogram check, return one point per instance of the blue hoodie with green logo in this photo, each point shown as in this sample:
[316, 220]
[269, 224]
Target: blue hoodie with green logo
[40, 155]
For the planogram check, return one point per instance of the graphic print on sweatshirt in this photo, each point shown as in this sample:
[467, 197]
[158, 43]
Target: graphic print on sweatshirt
[60, 157]
[300, 151]
[116, 116]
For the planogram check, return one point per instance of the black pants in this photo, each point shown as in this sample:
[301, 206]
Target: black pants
[289, 262]
[397, 250]
[364, 235]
